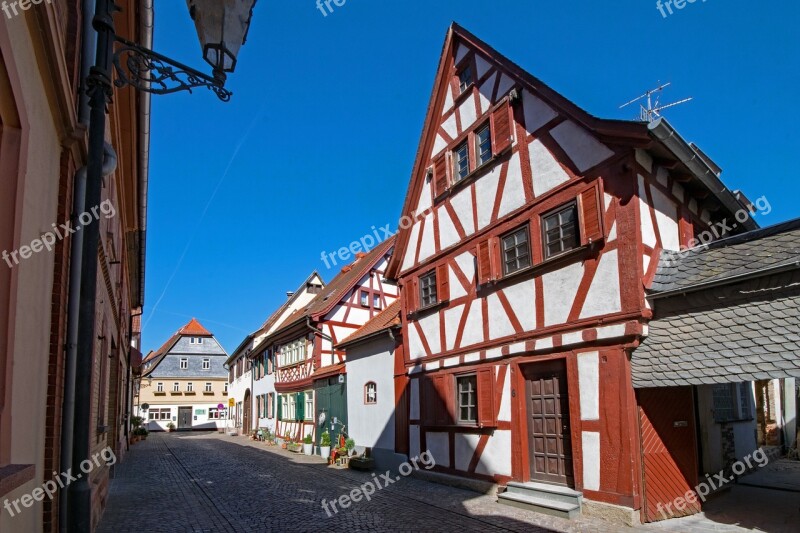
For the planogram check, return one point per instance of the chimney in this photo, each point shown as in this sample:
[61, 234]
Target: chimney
[289, 294]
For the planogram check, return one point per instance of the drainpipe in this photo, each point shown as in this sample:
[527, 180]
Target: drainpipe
[73, 306]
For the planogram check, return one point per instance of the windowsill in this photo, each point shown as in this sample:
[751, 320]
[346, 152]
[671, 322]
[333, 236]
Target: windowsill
[208, 393]
[464, 95]
[190, 393]
[430, 309]
[175, 393]
[14, 476]
[159, 394]
[564, 257]
[473, 175]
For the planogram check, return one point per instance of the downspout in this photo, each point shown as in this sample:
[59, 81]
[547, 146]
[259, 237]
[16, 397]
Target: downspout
[73, 306]
[147, 14]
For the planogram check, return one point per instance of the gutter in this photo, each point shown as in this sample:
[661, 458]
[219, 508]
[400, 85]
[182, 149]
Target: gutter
[776, 269]
[662, 131]
[146, 39]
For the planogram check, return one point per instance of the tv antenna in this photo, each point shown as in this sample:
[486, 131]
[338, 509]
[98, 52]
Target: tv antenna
[651, 108]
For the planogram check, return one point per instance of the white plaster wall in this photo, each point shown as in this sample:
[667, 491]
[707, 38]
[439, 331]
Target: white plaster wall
[413, 405]
[513, 192]
[496, 456]
[486, 191]
[584, 150]
[411, 250]
[504, 413]
[371, 425]
[462, 205]
[499, 323]
[590, 441]
[547, 171]
[452, 317]
[522, 298]
[589, 385]
[427, 248]
[466, 444]
[537, 113]
[439, 446]
[430, 327]
[261, 386]
[604, 293]
[560, 287]
[473, 329]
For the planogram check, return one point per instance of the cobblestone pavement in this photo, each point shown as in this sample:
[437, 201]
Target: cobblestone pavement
[208, 482]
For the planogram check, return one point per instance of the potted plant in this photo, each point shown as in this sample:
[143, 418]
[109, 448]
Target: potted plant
[349, 444]
[142, 432]
[325, 445]
[308, 445]
[136, 423]
[294, 447]
[170, 427]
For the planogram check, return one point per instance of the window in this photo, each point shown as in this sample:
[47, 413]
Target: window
[270, 363]
[160, 414]
[184, 363]
[292, 353]
[196, 340]
[309, 405]
[364, 299]
[225, 390]
[461, 162]
[465, 78]
[376, 301]
[270, 407]
[189, 387]
[516, 251]
[731, 402]
[289, 406]
[206, 364]
[371, 393]
[427, 289]
[467, 399]
[176, 387]
[159, 387]
[259, 403]
[561, 231]
[483, 145]
[208, 386]
[217, 414]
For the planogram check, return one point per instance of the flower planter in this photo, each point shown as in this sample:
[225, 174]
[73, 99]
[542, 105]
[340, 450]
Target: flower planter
[308, 449]
[293, 447]
[325, 452]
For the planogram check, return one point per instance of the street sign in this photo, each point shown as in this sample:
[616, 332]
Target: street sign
[220, 407]
[231, 402]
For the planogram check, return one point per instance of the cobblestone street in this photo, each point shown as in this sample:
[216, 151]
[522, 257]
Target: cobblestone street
[208, 482]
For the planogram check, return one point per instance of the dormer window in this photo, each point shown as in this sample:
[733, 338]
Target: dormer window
[184, 363]
[465, 78]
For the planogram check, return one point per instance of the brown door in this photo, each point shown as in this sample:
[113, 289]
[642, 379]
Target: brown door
[246, 409]
[549, 445]
[669, 451]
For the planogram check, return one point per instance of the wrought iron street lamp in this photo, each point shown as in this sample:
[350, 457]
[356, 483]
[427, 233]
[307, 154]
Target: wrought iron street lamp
[222, 27]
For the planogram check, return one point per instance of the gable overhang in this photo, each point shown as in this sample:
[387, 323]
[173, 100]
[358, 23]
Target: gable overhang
[699, 169]
[624, 132]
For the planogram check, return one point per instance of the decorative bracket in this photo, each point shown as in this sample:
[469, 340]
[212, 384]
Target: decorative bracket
[152, 72]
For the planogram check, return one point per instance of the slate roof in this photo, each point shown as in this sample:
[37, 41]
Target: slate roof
[192, 328]
[725, 313]
[768, 248]
[386, 319]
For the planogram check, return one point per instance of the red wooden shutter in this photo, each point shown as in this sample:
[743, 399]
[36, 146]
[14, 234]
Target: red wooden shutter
[427, 409]
[590, 203]
[410, 294]
[502, 128]
[443, 283]
[484, 262]
[486, 408]
[442, 388]
[441, 174]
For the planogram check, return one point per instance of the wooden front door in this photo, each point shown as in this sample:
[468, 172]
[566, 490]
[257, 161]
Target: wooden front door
[549, 445]
[246, 411]
[184, 418]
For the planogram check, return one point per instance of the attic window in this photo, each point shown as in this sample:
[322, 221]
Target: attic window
[465, 78]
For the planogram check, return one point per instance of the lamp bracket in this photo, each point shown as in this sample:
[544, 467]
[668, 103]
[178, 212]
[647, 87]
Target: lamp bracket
[152, 72]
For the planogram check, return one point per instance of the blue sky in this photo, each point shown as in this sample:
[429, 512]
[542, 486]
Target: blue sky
[318, 142]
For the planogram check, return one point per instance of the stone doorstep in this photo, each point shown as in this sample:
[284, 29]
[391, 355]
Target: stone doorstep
[475, 485]
[615, 514]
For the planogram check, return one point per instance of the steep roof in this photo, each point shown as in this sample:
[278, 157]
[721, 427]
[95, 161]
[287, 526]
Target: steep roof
[385, 320]
[769, 248]
[332, 293]
[192, 329]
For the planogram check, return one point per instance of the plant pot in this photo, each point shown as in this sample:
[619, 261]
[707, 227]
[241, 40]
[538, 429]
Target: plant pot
[308, 449]
[325, 452]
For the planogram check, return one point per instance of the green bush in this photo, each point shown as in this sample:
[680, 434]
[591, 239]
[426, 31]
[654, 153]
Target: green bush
[307, 439]
[325, 440]
[350, 444]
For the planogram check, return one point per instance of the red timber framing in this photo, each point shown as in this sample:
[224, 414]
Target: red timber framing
[516, 286]
[356, 295]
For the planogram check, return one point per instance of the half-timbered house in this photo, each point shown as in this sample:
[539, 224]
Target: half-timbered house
[536, 228]
[309, 370]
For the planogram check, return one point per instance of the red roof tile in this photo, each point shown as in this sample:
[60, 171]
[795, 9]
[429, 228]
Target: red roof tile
[388, 318]
[194, 328]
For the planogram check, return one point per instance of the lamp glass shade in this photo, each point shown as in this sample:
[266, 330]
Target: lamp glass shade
[222, 27]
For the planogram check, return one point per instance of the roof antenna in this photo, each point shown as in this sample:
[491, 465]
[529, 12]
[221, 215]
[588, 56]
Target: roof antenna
[653, 109]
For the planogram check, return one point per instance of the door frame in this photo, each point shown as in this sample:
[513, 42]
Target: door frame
[527, 369]
[189, 409]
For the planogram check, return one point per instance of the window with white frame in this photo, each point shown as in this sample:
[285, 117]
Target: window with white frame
[289, 402]
[270, 405]
[196, 340]
[467, 399]
[216, 414]
[159, 387]
[309, 412]
[371, 393]
[292, 353]
[208, 386]
[225, 390]
[160, 414]
[184, 363]
[189, 387]
[176, 387]
[206, 364]
[376, 301]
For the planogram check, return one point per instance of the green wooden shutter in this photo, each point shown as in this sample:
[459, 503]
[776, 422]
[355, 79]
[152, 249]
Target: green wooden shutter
[301, 406]
[280, 408]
